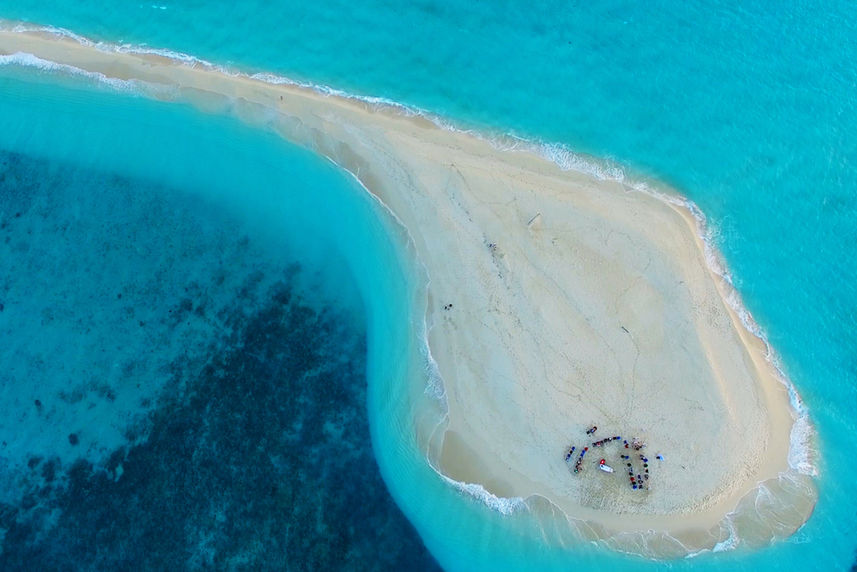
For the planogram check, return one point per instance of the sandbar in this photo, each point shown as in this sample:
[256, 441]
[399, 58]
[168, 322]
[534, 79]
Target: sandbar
[556, 300]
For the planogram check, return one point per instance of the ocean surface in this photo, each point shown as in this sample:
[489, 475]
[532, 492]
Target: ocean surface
[749, 111]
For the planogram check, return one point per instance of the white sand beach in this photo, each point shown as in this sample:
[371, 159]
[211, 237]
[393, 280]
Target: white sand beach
[557, 301]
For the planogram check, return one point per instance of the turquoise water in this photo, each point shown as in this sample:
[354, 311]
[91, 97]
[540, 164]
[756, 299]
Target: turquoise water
[746, 110]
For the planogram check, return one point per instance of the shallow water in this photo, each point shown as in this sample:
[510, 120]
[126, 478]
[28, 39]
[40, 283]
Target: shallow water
[746, 110]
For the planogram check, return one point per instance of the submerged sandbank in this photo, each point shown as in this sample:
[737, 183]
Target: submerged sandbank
[555, 301]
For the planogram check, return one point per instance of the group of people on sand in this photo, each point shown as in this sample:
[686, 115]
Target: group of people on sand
[637, 482]
[602, 442]
[637, 477]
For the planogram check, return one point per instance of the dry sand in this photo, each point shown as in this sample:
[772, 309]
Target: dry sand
[594, 306]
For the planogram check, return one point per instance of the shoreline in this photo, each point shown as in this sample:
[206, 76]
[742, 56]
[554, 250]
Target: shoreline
[451, 181]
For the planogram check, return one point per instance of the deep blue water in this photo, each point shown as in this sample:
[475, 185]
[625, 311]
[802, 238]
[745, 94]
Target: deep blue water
[748, 110]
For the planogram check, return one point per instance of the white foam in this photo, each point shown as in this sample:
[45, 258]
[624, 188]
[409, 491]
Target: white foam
[434, 382]
[183, 58]
[503, 505]
[379, 102]
[800, 450]
[731, 542]
[31, 61]
[568, 160]
[23, 27]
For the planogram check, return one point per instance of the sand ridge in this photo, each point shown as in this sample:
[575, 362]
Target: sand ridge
[556, 301]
